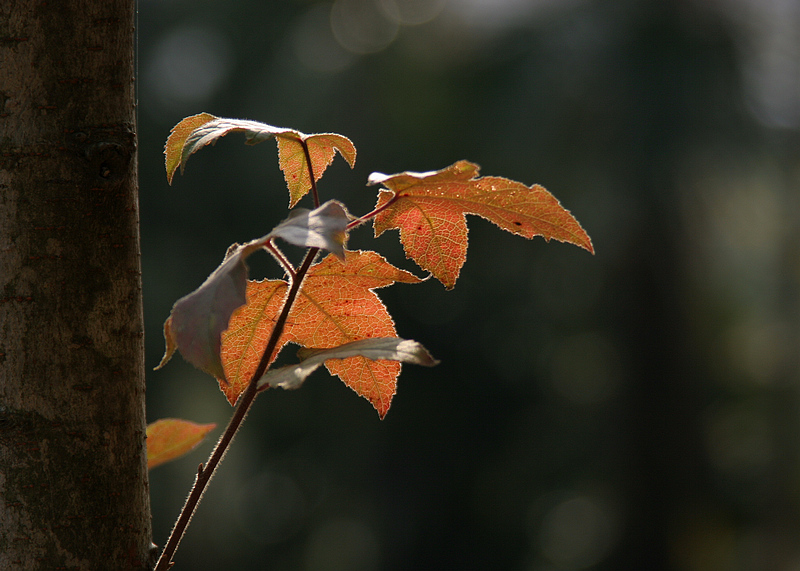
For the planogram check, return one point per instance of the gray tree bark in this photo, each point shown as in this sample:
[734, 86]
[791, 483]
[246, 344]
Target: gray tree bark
[73, 477]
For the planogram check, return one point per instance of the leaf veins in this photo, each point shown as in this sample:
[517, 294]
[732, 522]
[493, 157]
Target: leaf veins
[336, 305]
[430, 211]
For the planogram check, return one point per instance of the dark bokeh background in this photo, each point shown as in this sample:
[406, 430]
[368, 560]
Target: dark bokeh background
[633, 410]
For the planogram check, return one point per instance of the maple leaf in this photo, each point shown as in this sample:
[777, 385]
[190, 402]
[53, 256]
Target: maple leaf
[197, 131]
[170, 438]
[197, 320]
[336, 305]
[430, 211]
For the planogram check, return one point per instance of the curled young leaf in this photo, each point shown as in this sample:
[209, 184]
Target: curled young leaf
[382, 348]
[323, 227]
[173, 150]
[197, 320]
[197, 131]
[170, 438]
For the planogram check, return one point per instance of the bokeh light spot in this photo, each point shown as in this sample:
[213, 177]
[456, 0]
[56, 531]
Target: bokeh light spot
[412, 12]
[188, 66]
[342, 545]
[577, 533]
[360, 26]
[315, 46]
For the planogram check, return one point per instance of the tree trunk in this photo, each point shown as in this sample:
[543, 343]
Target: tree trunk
[73, 477]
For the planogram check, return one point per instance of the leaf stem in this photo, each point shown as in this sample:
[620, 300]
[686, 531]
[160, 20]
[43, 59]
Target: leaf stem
[314, 192]
[204, 475]
[374, 213]
[244, 403]
[280, 258]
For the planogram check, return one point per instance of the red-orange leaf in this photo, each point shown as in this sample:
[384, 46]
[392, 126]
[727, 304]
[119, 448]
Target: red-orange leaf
[430, 208]
[170, 438]
[336, 305]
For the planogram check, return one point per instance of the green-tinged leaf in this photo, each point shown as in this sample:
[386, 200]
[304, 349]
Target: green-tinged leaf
[197, 320]
[430, 211]
[170, 341]
[173, 150]
[322, 148]
[375, 349]
[170, 438]
[323, 227]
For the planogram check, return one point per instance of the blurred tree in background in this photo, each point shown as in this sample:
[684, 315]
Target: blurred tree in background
[633, 410]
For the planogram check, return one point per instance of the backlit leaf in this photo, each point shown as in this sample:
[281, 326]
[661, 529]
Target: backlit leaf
[429, 210]
[336, 305]
[197, 131]
[170, 438]
[173, 150]
[321, 148]
[384, 348]
[248, 333]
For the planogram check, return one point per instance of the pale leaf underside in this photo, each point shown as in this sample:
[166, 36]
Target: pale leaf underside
[391, 348]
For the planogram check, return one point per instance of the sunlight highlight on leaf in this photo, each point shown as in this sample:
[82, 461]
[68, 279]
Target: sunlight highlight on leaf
[321, 148]
[173, 150]
[248, 333]
[323, 227]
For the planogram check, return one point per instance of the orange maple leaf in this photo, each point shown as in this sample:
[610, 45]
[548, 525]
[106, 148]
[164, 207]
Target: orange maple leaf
[429, 210]
[336, 305]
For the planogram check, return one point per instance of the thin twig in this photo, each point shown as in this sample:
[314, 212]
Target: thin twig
[204, 473]
[243, 405]
[374, 213]
[280, 258]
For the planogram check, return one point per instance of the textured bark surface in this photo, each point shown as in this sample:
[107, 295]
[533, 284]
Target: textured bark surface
[73, 479]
